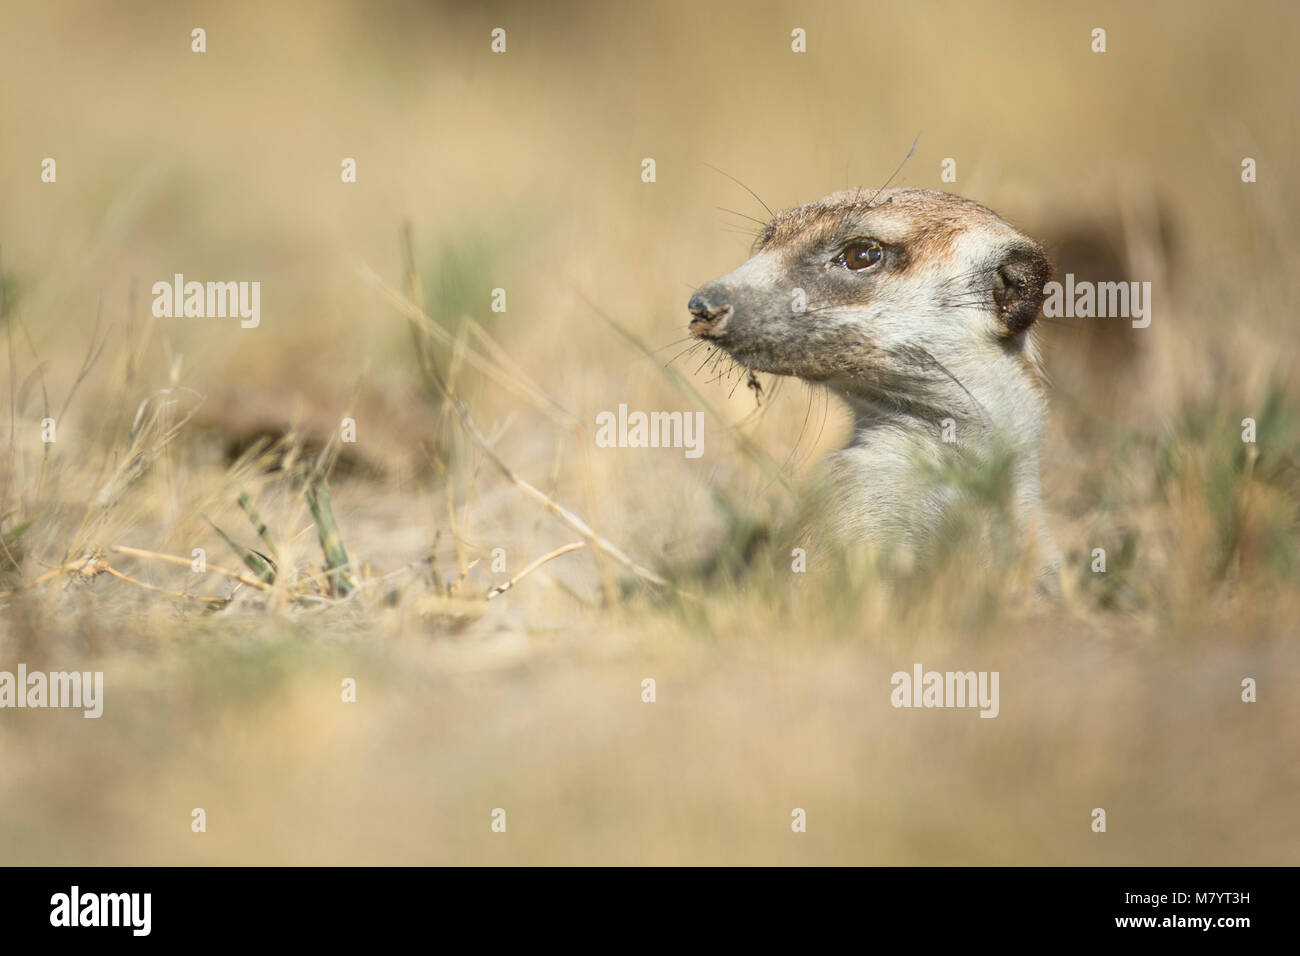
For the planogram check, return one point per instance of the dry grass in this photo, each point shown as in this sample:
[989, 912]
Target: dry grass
[522, 172]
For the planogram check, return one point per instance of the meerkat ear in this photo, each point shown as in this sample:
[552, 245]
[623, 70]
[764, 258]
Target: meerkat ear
[1018, 287]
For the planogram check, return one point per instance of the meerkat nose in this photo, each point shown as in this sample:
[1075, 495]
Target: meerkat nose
[700, 307]
[709, 316]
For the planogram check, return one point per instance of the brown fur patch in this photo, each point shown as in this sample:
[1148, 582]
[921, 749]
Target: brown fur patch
[923, 224]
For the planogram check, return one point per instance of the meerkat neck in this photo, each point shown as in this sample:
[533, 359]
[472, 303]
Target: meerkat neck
[905, 464]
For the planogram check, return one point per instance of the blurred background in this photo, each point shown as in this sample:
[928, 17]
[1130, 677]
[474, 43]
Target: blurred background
[522, 171]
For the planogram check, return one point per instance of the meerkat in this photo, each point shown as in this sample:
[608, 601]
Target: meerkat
[916, 308]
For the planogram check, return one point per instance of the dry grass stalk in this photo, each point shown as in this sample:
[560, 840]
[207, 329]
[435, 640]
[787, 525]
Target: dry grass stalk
[533, 566]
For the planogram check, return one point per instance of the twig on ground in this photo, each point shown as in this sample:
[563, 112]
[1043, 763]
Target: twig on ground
[153, 587]
[187, 562]
[563, 549]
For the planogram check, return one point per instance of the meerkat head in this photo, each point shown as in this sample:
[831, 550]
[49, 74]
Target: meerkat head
[916, 307]
[877, 289]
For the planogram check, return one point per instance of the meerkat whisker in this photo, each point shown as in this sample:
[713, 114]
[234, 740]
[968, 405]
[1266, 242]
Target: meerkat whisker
[744, 187]
[761, 222]
[684, 338]
[686, 351]
[712, 355]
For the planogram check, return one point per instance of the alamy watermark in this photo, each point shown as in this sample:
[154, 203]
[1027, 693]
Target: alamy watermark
[211, 300]
[82, 689]
[75, 908]
[1101, 300]
[651, 430]
[948, 689]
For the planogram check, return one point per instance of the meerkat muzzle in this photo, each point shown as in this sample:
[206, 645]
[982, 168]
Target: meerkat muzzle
[709, 319]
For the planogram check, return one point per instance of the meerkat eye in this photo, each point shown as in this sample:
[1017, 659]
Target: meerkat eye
[860, 254]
